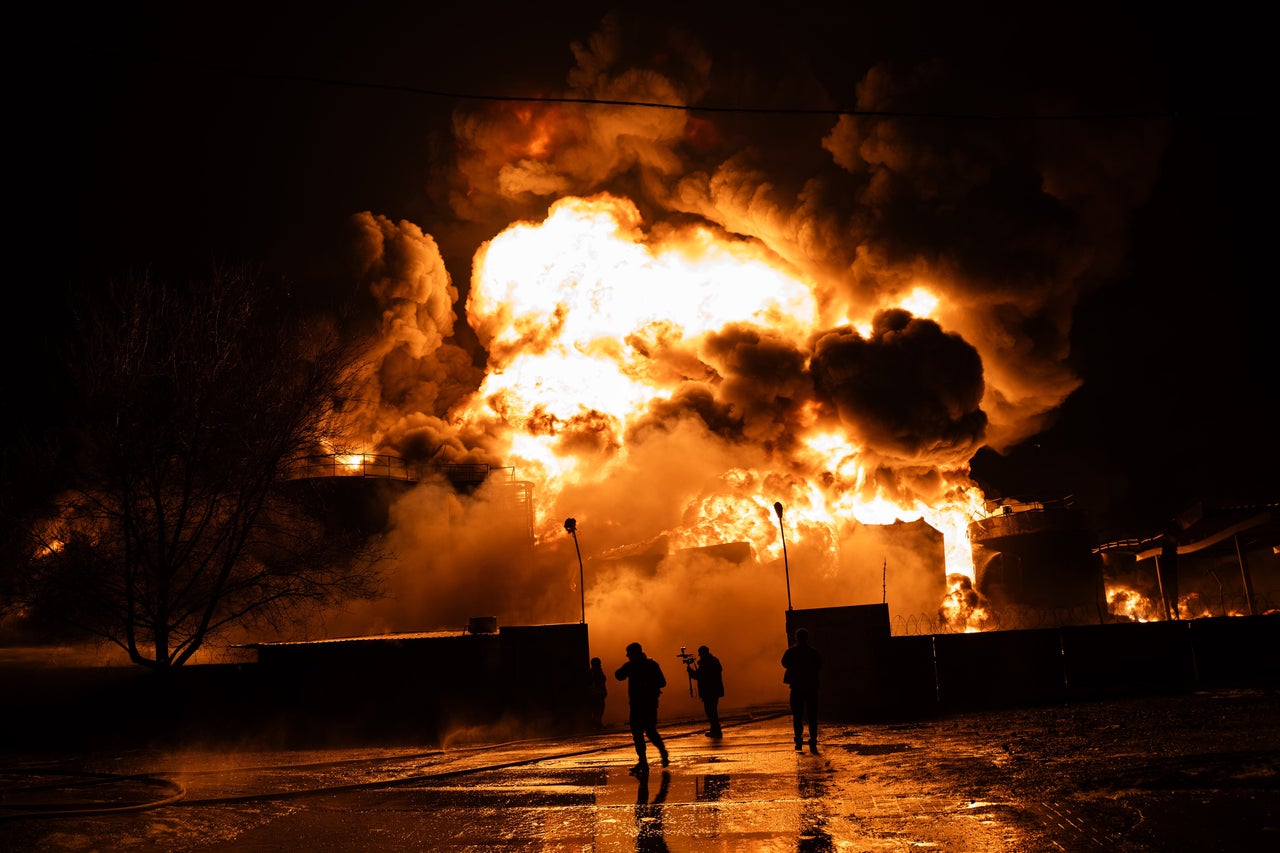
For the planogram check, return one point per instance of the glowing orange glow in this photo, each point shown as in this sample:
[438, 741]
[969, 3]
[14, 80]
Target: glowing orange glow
[539, 140]
[50, 548]
[352, 462]
[920, 302]
[1130, 604]
[55, 533]
[962, 607]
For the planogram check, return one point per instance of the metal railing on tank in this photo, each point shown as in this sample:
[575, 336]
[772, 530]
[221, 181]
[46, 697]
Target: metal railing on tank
[1009, 506]
[383, 465]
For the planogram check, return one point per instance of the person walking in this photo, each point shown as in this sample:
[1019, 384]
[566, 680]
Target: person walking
[599, 686]
[709, 674]
[802, 663]
[645, 681]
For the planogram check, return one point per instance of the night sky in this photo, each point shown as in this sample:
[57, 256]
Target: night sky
[169, 140]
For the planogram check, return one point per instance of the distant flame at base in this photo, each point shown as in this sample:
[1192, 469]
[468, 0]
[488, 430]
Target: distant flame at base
[964, 608]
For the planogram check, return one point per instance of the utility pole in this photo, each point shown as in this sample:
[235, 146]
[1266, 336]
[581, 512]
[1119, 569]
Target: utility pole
[571, 525]
[777, 507]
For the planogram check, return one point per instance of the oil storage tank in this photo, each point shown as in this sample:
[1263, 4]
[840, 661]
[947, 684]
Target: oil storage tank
[1037, 556]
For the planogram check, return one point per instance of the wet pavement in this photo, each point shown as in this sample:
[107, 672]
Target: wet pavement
[1195, 772]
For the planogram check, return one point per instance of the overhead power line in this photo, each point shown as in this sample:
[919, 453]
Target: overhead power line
[701, 108]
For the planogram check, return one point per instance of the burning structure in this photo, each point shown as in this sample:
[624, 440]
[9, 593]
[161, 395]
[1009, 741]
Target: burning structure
[1209, 561]
[1038, 556]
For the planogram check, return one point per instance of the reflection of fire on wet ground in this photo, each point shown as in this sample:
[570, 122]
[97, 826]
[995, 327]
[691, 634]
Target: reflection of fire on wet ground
[1185, 772]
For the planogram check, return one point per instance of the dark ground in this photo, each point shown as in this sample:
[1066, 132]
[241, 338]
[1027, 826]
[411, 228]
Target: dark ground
[1195, 771]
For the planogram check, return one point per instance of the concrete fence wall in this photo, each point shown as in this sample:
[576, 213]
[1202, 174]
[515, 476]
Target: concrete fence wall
[532, 680]
[391, 690]
[869, 674]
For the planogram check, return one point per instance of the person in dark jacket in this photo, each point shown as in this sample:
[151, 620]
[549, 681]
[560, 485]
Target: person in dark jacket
[599, 692]
[645, 681]
[709, 674]
[802, 663]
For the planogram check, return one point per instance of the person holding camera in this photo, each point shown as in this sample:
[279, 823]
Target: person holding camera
[709, 674]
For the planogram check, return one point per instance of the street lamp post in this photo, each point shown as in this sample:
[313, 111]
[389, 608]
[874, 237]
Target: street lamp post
[571, 525]
[777, 507]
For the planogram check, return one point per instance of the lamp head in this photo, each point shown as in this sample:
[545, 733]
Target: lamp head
[571, 525]
[777, 507]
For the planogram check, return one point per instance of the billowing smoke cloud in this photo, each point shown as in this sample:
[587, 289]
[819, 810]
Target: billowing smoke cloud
[936, 265]
[1008, 221]
[413, 374]
[909, 391]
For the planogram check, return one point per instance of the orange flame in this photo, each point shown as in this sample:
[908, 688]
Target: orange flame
[589, 323]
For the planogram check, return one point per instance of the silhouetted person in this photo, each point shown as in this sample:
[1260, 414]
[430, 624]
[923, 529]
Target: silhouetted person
[709, 674]
[802, 664]
[644, 685]
[599, 691]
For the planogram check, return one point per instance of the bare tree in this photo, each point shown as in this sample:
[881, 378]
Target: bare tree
[192, 401]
